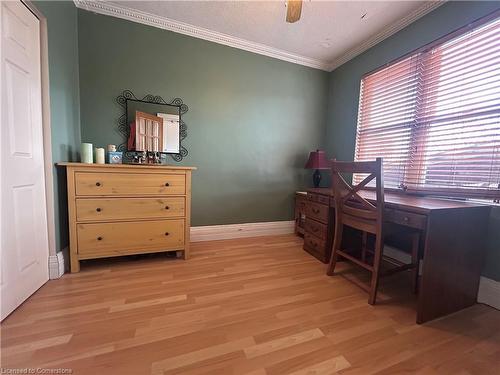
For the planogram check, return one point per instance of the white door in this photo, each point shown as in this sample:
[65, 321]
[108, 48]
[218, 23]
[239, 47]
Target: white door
[24, 240]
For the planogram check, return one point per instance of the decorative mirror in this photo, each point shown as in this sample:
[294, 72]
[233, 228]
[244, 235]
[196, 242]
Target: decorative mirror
[151, 124]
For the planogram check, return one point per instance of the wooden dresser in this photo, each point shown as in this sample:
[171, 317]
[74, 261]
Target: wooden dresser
[120, 209]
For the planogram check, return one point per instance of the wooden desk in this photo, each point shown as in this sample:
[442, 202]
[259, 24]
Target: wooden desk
[453, 246]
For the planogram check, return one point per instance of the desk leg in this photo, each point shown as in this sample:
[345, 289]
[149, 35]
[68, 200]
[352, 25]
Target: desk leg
[453, 258]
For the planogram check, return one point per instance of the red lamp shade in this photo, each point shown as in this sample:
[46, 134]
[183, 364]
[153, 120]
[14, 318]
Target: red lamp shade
[317, 160]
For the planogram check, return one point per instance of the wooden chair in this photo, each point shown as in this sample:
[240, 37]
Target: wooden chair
[352, 210]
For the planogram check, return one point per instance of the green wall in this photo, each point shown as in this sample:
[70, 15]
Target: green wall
[345, 80]
[64, 100]
[251, 122]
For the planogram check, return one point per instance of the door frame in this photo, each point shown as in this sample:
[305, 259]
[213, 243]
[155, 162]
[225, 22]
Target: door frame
[46, 125]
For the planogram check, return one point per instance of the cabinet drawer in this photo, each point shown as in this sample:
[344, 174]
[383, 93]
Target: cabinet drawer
[406, 218]
[109, 239]
[316, 228]
[88, 184]
[317, 211]
[88, 209]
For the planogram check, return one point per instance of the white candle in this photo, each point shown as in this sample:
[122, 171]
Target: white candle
[99, 155]
[86, 153]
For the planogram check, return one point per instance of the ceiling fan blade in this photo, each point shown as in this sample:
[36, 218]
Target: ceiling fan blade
[293, 10]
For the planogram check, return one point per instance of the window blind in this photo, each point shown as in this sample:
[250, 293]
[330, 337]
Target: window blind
[434, 117]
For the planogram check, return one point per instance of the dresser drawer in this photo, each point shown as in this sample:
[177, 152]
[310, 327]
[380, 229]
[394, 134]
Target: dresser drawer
[104, 209]
[110, 239]
[317, 211]
[406, 218]
[316, 228]
[90, 183]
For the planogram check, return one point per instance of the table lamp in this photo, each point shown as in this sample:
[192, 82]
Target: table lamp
[317, 160]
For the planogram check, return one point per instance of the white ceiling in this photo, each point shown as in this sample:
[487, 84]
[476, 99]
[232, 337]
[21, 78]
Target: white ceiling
[328, 33]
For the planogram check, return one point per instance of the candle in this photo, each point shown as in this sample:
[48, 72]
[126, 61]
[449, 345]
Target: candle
[99, 155]
[86, 153]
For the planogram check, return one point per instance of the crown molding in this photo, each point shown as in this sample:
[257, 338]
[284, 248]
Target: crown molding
[165, 23]
[392, 29]
[119, 11]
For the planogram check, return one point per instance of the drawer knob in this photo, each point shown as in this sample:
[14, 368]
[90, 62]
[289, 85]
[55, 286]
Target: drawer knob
[406, 219]
[315, 210]
[167, 184]
[99, 238]
[167, 207]
[166, 233]
[97, 184]
[98, 209]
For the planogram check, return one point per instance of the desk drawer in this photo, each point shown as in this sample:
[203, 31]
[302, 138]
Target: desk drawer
[109, 239]
[105, 209]
[406, 218]
[317, 212]
[316, 228]
[324, 199]
[315, 246]
[95, 183]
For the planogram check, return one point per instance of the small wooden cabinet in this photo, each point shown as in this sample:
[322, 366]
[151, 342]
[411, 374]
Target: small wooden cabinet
[120, 209]
[313, 217]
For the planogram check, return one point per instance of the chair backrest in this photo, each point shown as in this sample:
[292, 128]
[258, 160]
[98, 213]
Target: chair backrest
[351, 208]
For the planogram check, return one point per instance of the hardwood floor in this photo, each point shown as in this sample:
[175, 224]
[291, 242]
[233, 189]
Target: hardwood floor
[247, 306]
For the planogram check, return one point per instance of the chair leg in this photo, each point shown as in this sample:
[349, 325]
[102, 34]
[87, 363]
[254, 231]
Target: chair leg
[333, 263]
[415, 260]
[379, 246]
[337, 241]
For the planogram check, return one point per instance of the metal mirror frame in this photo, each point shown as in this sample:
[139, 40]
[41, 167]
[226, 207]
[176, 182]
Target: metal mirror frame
[124, 127]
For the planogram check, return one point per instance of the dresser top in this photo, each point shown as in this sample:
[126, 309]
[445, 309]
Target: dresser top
[124, 166]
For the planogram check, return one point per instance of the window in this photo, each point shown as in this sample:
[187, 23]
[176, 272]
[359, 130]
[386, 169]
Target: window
[434, 116]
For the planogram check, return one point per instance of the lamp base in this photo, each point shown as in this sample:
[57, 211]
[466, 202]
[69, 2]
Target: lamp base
[316, 178]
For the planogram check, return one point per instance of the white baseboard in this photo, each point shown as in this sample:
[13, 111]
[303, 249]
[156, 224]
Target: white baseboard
[224, 232]
[56, 265]
[489, 292]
